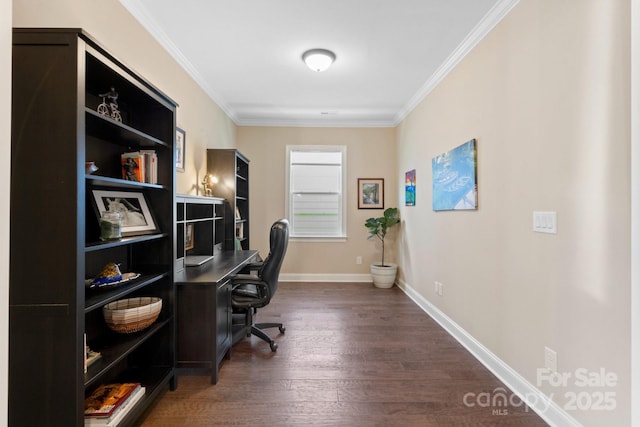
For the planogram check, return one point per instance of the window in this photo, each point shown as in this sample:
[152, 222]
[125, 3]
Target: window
[316, 184]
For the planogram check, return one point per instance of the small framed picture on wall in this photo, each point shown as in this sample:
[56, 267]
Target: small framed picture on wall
[370, 193]
[181, 138]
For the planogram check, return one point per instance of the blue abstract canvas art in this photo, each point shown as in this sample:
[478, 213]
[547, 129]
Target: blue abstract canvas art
[454, 178]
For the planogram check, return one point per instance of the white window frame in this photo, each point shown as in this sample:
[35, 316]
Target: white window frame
[342, 149]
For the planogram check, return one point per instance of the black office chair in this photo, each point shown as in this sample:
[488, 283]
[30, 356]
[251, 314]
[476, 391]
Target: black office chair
[252, 291]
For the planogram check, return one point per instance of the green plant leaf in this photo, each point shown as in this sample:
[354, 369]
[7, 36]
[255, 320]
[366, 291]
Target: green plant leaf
[378, 226]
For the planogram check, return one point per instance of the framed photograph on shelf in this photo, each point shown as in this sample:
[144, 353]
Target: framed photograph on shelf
[136, 215]
[370, 193]
[181, 139]
[189, 237]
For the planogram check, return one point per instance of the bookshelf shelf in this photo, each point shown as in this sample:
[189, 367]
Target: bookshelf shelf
[105, 181]
[125, 241]
[95, 299]
[107, 128]
[115, 348]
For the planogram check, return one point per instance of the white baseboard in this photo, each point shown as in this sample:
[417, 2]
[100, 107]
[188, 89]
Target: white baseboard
[357, 278]
[548, 410]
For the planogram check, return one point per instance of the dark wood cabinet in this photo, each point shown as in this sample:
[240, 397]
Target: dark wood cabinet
[205, 313]
[59, 76]
[204, 326]
[231, 168]
[223, 320]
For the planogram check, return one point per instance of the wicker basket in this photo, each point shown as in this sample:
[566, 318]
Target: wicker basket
[132, 315]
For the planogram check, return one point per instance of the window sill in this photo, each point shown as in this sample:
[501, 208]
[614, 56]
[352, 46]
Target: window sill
[318, 239]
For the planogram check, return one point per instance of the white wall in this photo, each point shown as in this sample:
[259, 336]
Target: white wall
[5, 176]
[635, 209]
[546, 94]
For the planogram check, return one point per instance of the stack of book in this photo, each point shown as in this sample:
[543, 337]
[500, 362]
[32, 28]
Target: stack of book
[109, 404]
[140, 166]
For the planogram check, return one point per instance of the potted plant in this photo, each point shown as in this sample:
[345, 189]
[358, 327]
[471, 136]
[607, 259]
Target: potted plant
[383, 274]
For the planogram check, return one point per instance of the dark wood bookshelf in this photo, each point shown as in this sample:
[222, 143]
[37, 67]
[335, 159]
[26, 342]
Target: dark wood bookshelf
[58, 76]
[231, 167]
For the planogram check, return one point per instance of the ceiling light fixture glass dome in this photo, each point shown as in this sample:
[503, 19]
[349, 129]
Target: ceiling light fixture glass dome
[318, 59]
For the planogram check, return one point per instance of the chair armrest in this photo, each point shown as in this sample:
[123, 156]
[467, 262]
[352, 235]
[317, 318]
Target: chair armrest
[247, 290]
[252, 266]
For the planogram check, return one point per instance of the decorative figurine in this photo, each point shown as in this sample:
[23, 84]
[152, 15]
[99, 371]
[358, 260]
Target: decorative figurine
[207, 183]
[110, 273]
[110, 109]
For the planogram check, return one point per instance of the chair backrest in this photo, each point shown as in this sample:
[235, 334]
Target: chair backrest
[278, 242]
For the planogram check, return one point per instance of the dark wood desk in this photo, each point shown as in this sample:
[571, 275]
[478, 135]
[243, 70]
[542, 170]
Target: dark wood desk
[204, 312]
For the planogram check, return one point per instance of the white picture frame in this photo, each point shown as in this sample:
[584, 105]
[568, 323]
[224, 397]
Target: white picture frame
[137, 218]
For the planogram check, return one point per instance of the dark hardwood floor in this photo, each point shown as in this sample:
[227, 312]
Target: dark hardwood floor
[352, 355]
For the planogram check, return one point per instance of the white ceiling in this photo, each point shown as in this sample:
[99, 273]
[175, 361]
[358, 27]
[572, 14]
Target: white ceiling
[247, 54]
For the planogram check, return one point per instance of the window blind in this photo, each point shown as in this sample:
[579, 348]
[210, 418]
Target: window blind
[316, 192]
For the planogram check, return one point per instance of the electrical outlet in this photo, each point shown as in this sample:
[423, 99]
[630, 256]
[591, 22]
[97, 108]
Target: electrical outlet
[441, 289]
[438, 288]
[550, 359]
[358, 260]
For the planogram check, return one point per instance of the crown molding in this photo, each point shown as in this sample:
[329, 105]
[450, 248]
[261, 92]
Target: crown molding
[156, 32]
[316, 123]
[484, 27]
[489, 21]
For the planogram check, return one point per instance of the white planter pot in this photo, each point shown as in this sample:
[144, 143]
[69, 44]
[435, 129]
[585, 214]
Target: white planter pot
[384, 276]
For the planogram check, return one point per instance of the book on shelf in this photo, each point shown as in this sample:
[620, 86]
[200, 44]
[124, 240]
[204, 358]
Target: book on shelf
[150, 160]
[118, 414]
[132, 166]
[140, 166]
[90, 356]
[106, 398]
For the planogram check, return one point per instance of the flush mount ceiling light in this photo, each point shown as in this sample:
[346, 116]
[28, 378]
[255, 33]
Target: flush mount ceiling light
[318, 59]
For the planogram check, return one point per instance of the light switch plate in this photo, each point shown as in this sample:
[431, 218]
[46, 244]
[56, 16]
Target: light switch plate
[545, 222]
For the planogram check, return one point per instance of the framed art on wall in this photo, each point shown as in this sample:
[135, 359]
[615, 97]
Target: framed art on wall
[410, 188]
[370, 193]
[181, 138]
[455, 178]
[132, 206]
